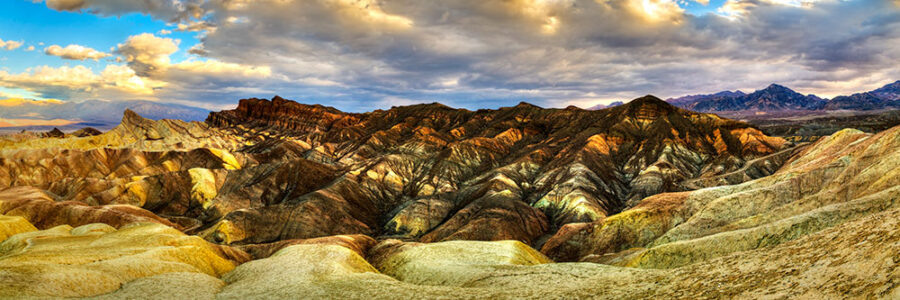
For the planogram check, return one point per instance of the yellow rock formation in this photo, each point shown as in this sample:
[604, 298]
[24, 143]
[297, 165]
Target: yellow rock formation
[12, 225]
[81, 262]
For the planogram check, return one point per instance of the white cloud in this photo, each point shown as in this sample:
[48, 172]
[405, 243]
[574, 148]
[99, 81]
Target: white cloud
[65, 81]
[148, 54]
[213, 68]
[10, 45]
[75, 52]
[148, 73]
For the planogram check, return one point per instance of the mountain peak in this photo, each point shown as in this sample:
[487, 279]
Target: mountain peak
[131, 117]
[890, 86]
[775, 86]
[524, 104]
[649, 100]
[277, 99]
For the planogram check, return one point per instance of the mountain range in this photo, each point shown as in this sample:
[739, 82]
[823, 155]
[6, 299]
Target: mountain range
[275, 199]
[777, 98]
[18, 114]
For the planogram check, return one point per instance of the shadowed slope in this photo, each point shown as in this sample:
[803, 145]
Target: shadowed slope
[839, 178]
[279, 170]
[430, 168]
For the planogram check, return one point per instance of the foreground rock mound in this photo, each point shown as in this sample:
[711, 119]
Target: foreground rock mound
[97, 259]
[860, 260]
[453, 263]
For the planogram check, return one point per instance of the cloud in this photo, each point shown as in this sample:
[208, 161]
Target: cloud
[79, 81]
[75, 52]
[498, 52]
[169, 10]
[148, 54]
[148, 73]
[67, 5]
[217, 68]
[10, 45]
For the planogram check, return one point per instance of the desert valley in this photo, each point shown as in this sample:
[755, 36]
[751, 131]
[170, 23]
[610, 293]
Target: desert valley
[276, 198]
[454, 149]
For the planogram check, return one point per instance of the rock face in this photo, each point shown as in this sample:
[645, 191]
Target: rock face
[434, 173]
[837, 179]
[279, 170]
[39, 209]
[276, 199]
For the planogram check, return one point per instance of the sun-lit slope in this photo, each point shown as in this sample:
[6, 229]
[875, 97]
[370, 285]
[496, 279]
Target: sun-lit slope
[513, 173]
[424, 173]
[12, 225]
[139, 261]
[824, 226]
[42, 210]
[97, 259]
[857, 258]
[839, 178]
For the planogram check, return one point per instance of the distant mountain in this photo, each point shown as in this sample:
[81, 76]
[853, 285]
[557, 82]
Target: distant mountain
[602, 106]
[861, 101]
[684, 100]
[27, 113]
[779, 98]
[773, 98]
[881, 98]
[888, 92]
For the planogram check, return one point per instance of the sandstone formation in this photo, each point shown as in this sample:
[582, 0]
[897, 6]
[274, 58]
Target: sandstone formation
[277, 199]
[433, 173]
[837, 179]
[92, 260]
[279, 170]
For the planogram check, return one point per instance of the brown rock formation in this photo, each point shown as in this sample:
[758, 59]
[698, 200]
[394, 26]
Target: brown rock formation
[464, 196]
[279, 170]
[411, 163]
[837, 179]
[44, 212]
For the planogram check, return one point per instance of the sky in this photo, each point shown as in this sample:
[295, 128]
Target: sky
[360, 55]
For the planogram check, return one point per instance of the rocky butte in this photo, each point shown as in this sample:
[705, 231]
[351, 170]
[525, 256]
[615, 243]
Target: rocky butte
[276, 199]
